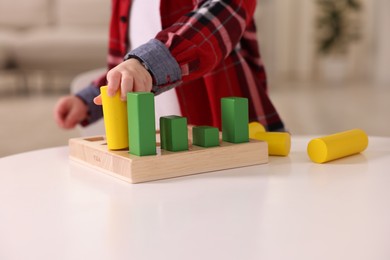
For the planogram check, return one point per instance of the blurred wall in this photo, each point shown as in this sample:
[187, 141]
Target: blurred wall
[287, 31]
[286, 37]
[381, 33]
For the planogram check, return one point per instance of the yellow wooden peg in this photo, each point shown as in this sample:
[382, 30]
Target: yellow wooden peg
[115, 120]
[335, 146]
[279, 143]
[255, 127]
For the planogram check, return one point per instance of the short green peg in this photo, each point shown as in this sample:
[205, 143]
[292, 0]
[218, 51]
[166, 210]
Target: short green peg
[205, 136]
[174, 133]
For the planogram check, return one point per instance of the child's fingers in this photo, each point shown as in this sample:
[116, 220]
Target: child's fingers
[59, 118]
[70, 122]
[72, 119]
[147, 81]
[98, 100]
[142, 82]
[113, 79]
[60, 111]
[139, 85]
[127, 85]
[129, 76]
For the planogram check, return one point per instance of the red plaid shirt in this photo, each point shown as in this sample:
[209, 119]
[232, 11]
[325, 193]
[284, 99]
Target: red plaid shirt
[215, 45]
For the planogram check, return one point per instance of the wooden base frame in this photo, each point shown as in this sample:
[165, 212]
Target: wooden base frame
[134, 169]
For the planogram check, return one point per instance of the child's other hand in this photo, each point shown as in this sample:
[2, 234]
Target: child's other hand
[69, 111]
[129, 76]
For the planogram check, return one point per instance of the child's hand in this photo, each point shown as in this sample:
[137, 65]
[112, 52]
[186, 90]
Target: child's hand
[69, 111]
[129, 76]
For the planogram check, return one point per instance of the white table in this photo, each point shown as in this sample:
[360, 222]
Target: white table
[291, 208]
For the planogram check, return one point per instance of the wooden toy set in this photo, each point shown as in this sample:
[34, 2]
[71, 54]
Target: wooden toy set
[133, 151]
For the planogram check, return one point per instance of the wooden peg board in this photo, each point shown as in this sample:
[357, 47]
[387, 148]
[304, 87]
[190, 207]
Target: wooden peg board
[93, 151]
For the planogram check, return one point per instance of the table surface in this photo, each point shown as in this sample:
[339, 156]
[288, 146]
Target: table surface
[290, 208]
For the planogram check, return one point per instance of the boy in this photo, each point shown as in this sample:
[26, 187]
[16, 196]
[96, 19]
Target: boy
[206, 50]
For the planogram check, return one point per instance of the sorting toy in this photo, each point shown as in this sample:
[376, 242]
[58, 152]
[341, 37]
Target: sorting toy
[339, 145]
[279, 143]
[115, 120]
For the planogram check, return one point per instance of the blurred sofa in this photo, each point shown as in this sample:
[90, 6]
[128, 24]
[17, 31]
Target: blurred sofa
[61, 37]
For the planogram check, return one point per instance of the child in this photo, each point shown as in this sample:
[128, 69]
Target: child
[206, 50]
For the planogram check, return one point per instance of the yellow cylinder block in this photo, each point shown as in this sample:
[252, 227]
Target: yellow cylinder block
[115, 120]
[335, 146]
[255, 127]
[279, 143]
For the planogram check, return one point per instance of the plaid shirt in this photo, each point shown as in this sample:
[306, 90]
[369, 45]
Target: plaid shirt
[207, 50]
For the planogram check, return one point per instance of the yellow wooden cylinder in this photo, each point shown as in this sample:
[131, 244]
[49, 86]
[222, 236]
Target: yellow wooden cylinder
[279, 143]
[335, 146]
[115, 120]
[255, 127]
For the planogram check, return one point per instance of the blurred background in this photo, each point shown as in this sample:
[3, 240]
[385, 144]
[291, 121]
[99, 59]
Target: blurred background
[327, 63]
